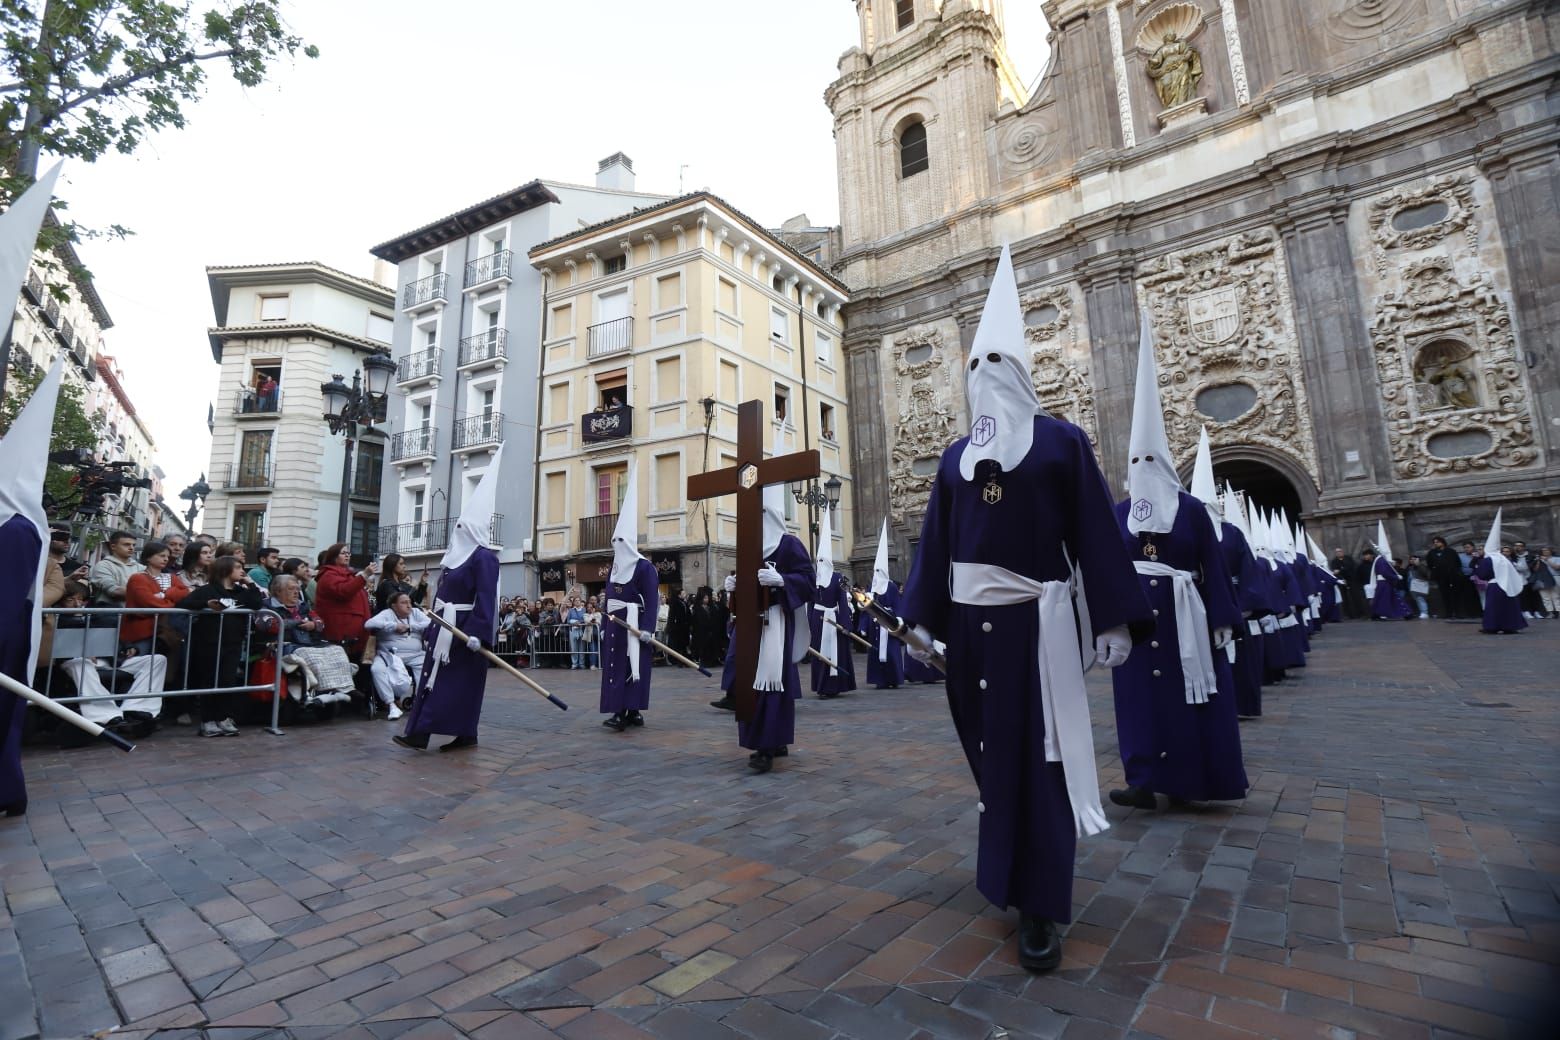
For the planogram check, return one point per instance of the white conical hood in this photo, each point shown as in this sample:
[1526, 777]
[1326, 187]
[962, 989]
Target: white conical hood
[1232, 513]
[1506, 575]
[1317, 556]
[825, 561]
[880, 578]
[24, 460]
[19, 235]
[774, 517]
[625, 536]
[474, 529]
[1151, 479]
[1297, 536]
[997, 384]
[1284, 536]
[1203, 488]
[1382, 548]
[1261, 544]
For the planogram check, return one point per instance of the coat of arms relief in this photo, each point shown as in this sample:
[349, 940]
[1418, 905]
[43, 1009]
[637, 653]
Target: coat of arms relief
[1054, 326]
[1223, 327]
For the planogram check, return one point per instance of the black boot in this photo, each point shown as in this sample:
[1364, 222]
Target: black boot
[635, 719]
[1134, 798]
[616, 723]
[782, 751]
[761, 761]
[1039, 945]
[725, 703]
[458, 743]
[14, 809]
[417, 743]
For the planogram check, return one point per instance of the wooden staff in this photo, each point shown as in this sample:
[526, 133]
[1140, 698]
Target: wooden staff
[505, 665]
[76, 719]
[854, 637]
[668, 651]
[895, 626]
[813, 653]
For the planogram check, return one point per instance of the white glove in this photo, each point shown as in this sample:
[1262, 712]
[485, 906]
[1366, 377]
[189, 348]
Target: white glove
[769, 577]
[922, 655]
[1112, 648]
[645, 637]
[731, 584]
[473, 644]
[1221, 636]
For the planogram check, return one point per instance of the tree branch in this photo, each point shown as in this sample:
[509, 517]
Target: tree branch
[116, 85]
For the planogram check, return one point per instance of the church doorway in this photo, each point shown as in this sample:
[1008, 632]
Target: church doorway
[1262, 484]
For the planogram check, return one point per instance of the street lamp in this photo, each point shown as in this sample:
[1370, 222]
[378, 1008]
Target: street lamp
[708, 404]
[195, 495]
[346, 407]
[809, 494]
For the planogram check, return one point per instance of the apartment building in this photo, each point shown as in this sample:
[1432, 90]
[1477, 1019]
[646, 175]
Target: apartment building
[46, 325]
[282, 331]
[125, 438]
[467, 342]
[659, 323]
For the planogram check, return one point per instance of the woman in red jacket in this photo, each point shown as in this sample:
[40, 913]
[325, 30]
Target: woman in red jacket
[152, 587]
[342, 597]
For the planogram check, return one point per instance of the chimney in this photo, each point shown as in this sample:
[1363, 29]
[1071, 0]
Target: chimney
[616, 172]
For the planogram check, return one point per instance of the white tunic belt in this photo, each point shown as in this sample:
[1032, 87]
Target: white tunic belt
[828, 640]
[441, 646]
[1063, 696]
[630, 642]
[1191, 626]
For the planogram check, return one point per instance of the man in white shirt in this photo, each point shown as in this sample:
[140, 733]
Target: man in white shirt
[398, 632]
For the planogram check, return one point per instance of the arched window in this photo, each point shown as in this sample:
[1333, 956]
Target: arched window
[912, 150]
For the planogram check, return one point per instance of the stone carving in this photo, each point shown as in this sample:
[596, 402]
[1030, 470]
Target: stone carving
[1365, 19]
[1176, 69]
[1030, 142]
[1222, 314]
[1237, 56]
[1123, 89]
[922, 386]
[1059, 358]
[1443, 207]
[1447, 361]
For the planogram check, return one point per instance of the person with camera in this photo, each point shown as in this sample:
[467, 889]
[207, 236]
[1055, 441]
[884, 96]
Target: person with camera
[343, 598]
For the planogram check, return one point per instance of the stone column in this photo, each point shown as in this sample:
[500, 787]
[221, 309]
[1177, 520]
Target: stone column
[869, 438]
[1083, 59]
[1112, 305]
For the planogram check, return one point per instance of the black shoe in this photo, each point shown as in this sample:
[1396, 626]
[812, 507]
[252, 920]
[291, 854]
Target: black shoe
[458, 743]
[761, 761]
[782, 751]
[635, 719]
[724, 704]
[617, 723]
[1039, 946]
[1134, 798]
[417, 743]
[14, 809]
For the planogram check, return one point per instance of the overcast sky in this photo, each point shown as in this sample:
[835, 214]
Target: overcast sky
[414, 110]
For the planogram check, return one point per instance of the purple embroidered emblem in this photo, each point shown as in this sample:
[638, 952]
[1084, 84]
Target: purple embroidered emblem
[1142, 510]
[984, 429]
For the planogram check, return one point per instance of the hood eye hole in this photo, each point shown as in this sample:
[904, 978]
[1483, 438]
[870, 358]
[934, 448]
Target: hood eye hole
[974, 364]
[1134, 460]
[994, 357]
[1148, 458]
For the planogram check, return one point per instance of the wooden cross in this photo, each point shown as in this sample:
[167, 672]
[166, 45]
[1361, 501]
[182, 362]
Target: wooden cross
[747, 480]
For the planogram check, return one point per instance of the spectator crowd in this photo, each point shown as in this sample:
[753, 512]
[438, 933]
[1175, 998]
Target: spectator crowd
[1444, 582]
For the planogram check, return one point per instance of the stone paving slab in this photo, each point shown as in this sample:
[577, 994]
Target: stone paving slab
[1394, 872]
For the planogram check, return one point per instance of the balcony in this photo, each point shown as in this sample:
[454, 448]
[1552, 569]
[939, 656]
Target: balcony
[611, 337]
[35, 288]
[425, 292]
[490, 269]
[609, 424]
[249, 477]
[479, 431]
[596, 532]
[420, 367]
[411, 445]
[429, 536]
[489, 347]
[51, 311]
[251, 404]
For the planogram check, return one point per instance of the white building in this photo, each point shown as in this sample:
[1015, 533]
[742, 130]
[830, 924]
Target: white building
[125, 438]
[281, 331]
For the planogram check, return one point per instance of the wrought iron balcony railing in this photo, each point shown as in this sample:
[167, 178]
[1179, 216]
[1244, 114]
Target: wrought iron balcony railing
[596, 531]
[479, 430]
[485, 346]
[428, 535]
[488, 268]
[425, 291]
[611, 337]
[251, 402]
[246, 476]
[413, 444]
[424, 364]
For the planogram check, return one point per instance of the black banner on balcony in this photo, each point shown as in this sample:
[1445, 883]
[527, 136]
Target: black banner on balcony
[552, 576]
[668, 567]
[608, 425]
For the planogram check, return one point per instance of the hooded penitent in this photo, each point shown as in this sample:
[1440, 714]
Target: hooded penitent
[1506, 575]
[24, 456]
[1203, 488]
[1151, 478]
[825, 562]
[774, 518]
[474, 529]
[625, 537]
[997, 382]
[880, 578]
[1383, 552]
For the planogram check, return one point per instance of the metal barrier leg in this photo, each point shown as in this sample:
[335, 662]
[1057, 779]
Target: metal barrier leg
[279, 684]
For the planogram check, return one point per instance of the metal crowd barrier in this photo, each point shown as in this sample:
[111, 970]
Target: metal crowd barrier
[553, 641]
[93, 642]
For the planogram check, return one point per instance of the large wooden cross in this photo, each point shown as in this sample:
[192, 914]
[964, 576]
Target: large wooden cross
[747, 480]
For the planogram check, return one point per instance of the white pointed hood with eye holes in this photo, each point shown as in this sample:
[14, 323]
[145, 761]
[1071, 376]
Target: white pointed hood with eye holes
[880, 578]
[774, 518]
[997, 384]
[1203, 488]
[1151, 478]
[24, 457]
[625, 536]
[1506, 575]
[825, 563]
[474, 529]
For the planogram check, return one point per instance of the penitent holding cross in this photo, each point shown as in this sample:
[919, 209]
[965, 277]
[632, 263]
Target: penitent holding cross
[747, 480]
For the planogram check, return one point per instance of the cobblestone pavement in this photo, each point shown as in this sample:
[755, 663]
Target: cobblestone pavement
[1393, 873]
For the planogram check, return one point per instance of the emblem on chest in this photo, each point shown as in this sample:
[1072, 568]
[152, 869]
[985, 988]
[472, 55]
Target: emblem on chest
[991, 494]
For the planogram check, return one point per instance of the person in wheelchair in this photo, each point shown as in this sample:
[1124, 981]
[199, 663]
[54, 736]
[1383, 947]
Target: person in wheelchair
[398, 631]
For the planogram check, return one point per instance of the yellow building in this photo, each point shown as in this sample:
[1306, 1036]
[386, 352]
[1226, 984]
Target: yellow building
[657, 325]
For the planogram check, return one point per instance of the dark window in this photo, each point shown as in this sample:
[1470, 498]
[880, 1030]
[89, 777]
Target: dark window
[912, 151]
[904, 12]
[370, 469]
[249, 527]
[616, 263]
[365, 535]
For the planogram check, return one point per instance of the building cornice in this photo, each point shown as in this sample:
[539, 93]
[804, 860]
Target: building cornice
[290, 330]
[222, 279]
[463, 222]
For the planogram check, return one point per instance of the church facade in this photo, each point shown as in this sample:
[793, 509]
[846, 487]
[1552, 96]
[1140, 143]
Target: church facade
[1338, 217]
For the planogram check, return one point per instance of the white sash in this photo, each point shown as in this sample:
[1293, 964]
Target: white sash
[1254, 627]
[1269, 624]
[882, 645]
[441, 646]
[1064, 699]
[1191, 626]
[1287, 621]
[631, 641]
[828, 638]
[771, 651]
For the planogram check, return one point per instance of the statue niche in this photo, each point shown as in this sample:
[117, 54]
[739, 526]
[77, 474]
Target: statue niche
[1172, 64]
[1176, 69]
[1444, 376]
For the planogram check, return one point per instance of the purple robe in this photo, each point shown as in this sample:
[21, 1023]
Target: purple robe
[1502, 613]
[1332, 606]
[1189, 751]
[619, 691]
[449, 701]
[888, 673]
[773, 725]
[1290, 600]
[1387, 604]
[21, 545]
[1306, 583]
[1054, 510]
[1246, 573]
[824, 684]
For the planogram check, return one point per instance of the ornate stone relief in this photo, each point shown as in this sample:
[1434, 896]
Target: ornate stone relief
[1223, 324]
[1123, 90]
[1365, 19]
[1059, 356]
[1030, 141]
[1237, 56]
[1422, 217]
[1455, 397]
[925, 425]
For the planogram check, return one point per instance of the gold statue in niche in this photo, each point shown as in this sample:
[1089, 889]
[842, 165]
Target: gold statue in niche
[1176, 69]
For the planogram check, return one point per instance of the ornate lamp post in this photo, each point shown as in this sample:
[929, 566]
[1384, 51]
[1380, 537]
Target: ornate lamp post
[814, 498]
[346, 407]
[708, 404]
[195, 495]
